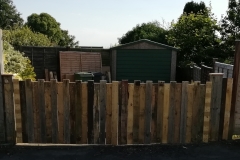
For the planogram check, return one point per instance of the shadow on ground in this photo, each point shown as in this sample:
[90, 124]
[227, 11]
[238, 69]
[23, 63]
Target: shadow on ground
[220, 150]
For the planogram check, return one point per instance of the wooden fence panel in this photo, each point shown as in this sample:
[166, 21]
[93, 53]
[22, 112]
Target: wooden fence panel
[42, 111]
[36, 112]
[109, 114]
[72, 92]
[102, 103]
[119, 111]
[207, 109]
[136, 107]
[114, 139]
[142, 110]
[148, 113]
[160, 104]
[171, 112]
[9, 109]
[154, 113]
[222, 108]
[48, 110]
[166, 106]
[190, 103]
[60, 111]
[130, 118]
[90, 89]
[29, 102]
[66, 113]
[177, 111]
[54, 101]
[23, 111]
[84, 98]
[18, 118]
[184, 104]
[227, 108]
[215, 105]
[78, 113]
[124, 96]
[96, 114]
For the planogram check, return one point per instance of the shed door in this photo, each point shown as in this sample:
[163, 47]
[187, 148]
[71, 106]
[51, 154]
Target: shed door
[143, 65]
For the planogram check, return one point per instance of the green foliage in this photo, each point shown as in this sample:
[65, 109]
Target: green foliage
[195, 7]
[230, 25]
[9, 16]
[16, 63]
[151, 31]
[45, 24]
[67, 40]
[195, 36]
[23, 36]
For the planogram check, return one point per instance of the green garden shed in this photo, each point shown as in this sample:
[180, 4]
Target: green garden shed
[143, 60]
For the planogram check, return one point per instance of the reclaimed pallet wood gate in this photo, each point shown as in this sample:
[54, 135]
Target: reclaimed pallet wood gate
[117, 113]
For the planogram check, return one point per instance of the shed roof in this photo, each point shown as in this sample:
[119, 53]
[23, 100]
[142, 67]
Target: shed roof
[146, 41]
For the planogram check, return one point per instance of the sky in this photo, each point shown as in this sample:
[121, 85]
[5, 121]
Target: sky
[102, 22]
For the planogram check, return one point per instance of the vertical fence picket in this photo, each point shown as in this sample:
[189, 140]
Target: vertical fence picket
[130, 114]
[148, 113]
[177, 112]
[190, 103]
[142, 92]
[84, 98]
[78, 113]
[184, 103]
[48, 110]
[171, 111]
[43, 138]
[66, 111]
[96, 114]
[154, 114]
[160, 104]
[72, 92]
[115, 108]
[124, 96]
[165, 113]
[23, 111]
[36, 112]
[90, 90]
[54, 111]
[222, 108]
[102, 98]
[109, 114]
[60, 111]
[136, 106]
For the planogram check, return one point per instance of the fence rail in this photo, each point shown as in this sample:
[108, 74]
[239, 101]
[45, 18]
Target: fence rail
[118, 112]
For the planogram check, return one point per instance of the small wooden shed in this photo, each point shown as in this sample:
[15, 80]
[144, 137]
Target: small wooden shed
[143, 60]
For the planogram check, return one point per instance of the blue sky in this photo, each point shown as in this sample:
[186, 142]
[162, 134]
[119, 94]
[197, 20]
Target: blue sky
[101, 22]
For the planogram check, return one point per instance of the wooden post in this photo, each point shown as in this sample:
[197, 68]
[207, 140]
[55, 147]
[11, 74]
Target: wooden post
[216, 79]
[102, 98]
[9, 109]
[234, 127]
[214, 61]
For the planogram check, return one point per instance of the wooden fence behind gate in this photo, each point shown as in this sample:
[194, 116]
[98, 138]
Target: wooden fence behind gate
[118, 112]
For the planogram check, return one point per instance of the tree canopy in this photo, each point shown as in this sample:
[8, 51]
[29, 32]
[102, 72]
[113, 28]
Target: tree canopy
[9, 16]
[195, 7]
[195, 36]
[151, 31]
[23, 36]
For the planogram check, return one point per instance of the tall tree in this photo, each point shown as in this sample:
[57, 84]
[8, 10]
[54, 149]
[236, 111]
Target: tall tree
[45, 24]
[195, 36]
[67, 39]
[230, 25]
[195, 7]
[9, 16]
[152, 31]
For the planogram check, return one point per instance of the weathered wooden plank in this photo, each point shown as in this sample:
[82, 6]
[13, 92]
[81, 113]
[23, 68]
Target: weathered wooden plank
[90, 111]
[102, 98]
[2, 120]
[119, 110]
[23, 111]
[60, 111]
[160, 103]
[17, 111]
[114, 139]
[46, 75]
[184, 104]
[72, 92]
[9, 109]
[171, 118]
[166, 113]
[29, 102]
[130, 114]
[227, 108]
[190, 103]
[177, 112]
[136, 106]
[78, 113]
[48, 110]
[207, 108]
[54, 110]
[222, 108]
[84, 98]
[154, 114]
[43, 136]
[66, 113]
[96, 113]
[36, 112]
[142, 91]
[124, 97]
[109, 114]
[215, 105]
[148, 113]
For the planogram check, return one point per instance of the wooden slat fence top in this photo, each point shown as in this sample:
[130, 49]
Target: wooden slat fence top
[216, 74]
